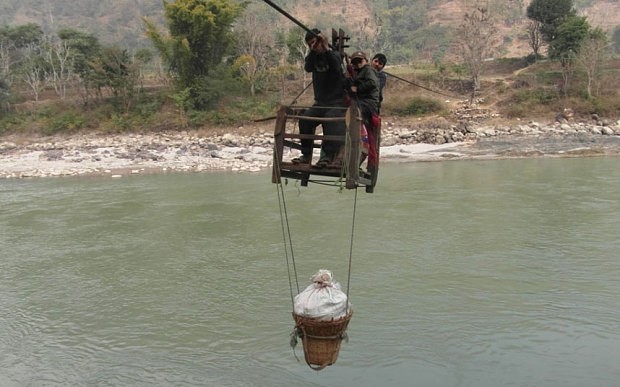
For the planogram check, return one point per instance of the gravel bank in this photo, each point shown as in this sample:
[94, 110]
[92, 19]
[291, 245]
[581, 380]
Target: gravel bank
[119, 155]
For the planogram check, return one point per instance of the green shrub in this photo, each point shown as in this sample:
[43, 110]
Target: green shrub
[535, 96]
[197, 118]
[236, 110]
[419, 106]
[148, 108]
[607, 106]
[65, 122]
[121, 122]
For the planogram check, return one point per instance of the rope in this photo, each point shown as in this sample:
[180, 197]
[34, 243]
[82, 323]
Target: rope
[290, 261]
[420, 86]
[351, 248]
[300, 94]
[286, 231]
[345, 162]
[345, 167]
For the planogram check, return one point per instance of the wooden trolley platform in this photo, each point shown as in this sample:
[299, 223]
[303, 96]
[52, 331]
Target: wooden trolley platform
[350, 171]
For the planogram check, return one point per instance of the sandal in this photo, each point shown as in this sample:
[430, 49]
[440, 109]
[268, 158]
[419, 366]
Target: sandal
[303, 159]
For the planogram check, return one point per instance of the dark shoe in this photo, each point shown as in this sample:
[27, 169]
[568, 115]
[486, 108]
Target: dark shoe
[322, 163]
[337, 163]
[303, 159]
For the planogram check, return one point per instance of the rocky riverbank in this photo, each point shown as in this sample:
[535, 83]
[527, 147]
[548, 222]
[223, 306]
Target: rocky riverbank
[119, 155]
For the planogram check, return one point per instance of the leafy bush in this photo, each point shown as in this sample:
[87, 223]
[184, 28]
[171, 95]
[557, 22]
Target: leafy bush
[419, 106]
[585, 107]
[10, 123]
[530, 102]
[148, 107]
[65, 122]
[535, 96]
[234, 111]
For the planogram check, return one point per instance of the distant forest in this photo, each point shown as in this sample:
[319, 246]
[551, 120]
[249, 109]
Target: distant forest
[111, 21]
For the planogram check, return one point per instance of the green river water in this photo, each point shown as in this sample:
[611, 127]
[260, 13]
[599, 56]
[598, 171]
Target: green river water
[468, 273]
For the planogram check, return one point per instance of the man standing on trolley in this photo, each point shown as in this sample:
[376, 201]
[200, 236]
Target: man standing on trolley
[325, 65]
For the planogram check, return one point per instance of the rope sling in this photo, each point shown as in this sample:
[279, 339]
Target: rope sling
[304, 328]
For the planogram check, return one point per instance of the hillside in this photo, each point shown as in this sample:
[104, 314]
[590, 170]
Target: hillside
[367, 21]
[112, 21]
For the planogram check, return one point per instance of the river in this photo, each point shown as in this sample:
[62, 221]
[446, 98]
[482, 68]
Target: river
[465, 273]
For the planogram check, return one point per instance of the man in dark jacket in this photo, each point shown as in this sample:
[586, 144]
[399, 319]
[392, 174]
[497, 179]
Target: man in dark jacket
[329, 98]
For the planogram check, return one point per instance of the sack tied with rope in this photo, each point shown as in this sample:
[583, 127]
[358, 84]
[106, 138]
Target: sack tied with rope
[321, 313]
[322, 299]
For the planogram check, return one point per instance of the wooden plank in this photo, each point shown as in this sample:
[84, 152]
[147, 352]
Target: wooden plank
[315, 137]
[354, 122]
[303, 172]
[316, 119]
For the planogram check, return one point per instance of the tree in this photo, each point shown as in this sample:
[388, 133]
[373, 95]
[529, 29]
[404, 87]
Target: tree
[199, 38]
[592, 54]
[84, 49]
[399, 24]
[297, 49]
[60, 66]
[6, 64]
[114, 69]
[535, 37]
[143, 57]
[14, 44]
[33, 69]
[297, 46]
[252, 38]
[256, 47]
[564, 47]
[477, 39]
[550, 13]
[246, 66]
[23, 35]
[5, 93]
[616, 40]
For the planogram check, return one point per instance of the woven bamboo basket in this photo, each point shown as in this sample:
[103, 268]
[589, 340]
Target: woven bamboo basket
[321, 339]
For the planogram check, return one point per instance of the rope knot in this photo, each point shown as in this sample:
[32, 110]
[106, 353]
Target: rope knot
[323, 278]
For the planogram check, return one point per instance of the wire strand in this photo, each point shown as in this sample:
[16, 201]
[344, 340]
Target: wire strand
[286, 232]
[351, 248]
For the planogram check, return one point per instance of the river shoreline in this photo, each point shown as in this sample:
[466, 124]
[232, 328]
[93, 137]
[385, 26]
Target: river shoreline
[249, 152]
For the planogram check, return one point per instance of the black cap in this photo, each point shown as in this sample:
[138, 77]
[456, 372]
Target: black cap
[312, 33]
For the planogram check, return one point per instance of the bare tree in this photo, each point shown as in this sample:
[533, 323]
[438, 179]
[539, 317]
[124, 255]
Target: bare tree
[246, 65]
[58, 57]
[253, 38]
[34, 77]
[535, 38]
[366, 35]
[477, 40]
[33, 69]
[298, 48]
[591, 56]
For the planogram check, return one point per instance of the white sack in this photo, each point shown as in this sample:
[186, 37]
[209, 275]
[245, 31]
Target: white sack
[322, 299]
